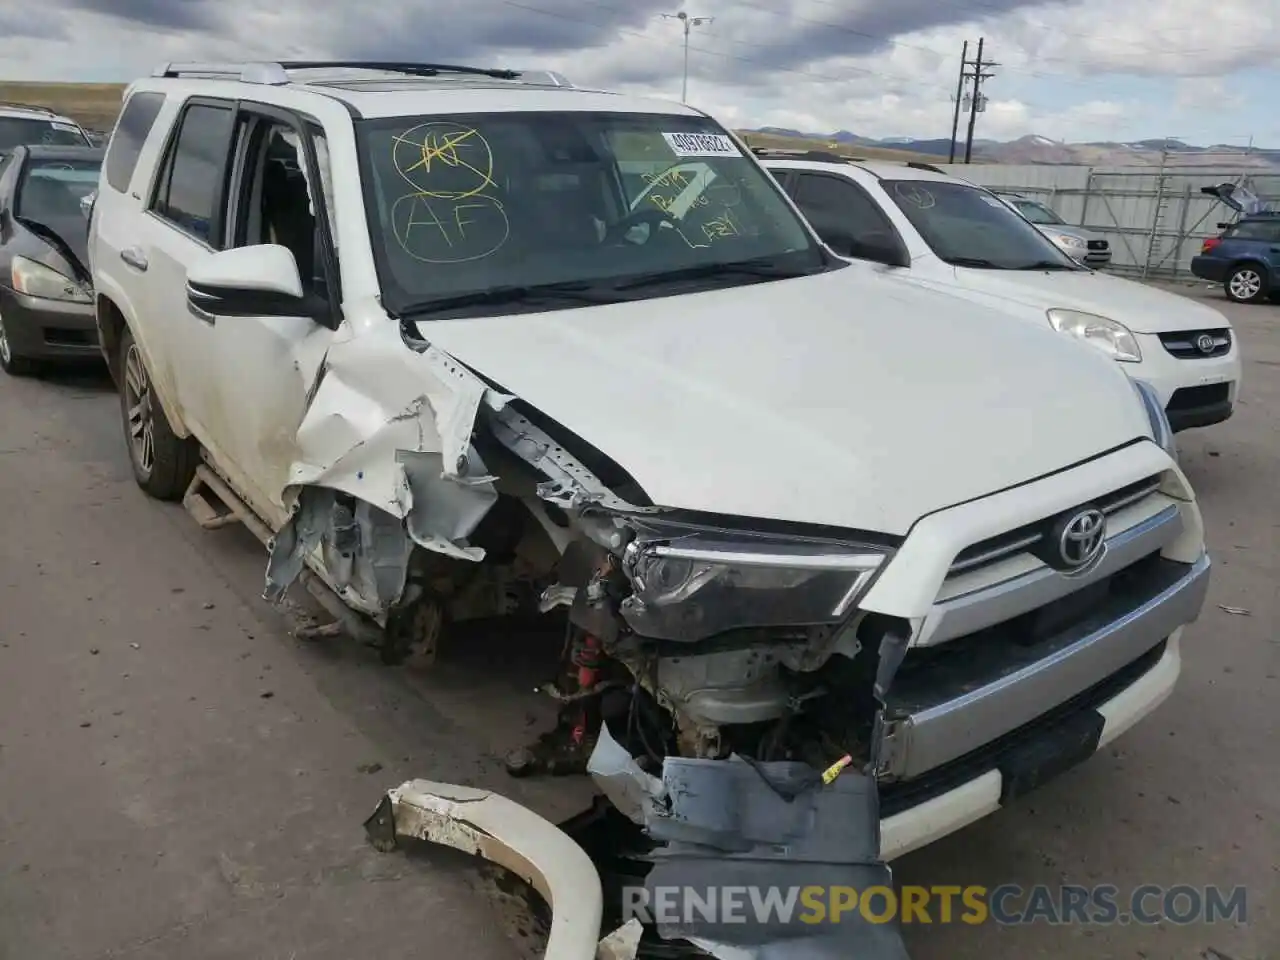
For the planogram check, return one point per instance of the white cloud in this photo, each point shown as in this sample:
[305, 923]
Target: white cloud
[873, 67]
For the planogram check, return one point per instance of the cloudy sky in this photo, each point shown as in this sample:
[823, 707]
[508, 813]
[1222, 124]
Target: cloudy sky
[1070, 69]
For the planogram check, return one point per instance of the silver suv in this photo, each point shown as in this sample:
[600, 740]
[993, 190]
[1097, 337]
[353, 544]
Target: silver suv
[1079, 243]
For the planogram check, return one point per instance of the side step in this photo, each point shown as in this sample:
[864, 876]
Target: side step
[222, 508]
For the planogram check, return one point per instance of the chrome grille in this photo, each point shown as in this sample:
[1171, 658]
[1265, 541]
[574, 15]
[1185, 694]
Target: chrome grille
[1024, 538]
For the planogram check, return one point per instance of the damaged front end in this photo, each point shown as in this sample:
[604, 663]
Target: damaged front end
[731, 662]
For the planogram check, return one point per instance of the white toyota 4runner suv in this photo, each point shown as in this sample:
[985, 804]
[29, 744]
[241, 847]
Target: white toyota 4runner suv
[937, 231]
[463, 343]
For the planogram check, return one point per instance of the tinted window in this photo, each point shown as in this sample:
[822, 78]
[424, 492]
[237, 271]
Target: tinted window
[52, 189]
[18, 131]
[969, 227]
[194, 171]
[1255, 230]
[131, 131]
[840, 211]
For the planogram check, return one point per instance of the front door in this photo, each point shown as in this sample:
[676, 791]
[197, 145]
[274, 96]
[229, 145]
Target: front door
[267, 366]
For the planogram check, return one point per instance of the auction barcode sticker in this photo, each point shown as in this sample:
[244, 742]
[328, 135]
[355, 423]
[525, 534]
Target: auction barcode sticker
[701, 145]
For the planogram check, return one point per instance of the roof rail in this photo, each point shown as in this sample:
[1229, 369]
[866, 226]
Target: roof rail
[780, 153]
[276, 73]
[271, 74]
[33, 107]
[921, 165]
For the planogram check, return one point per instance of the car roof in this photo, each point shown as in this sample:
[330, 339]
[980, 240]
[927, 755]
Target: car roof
[31, 112]
[856, 167]
[373, 90]
[44, 151]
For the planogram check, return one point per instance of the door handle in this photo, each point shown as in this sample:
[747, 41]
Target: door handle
[134, 258]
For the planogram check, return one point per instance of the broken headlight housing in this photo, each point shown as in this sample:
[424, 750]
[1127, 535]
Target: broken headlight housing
[694, 586]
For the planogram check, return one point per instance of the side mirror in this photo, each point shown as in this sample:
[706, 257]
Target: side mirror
[87, 202]
[256, 281]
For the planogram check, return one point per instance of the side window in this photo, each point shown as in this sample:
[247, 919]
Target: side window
[194, 172]
[842, 214]
[1252, 230]
[275, 200]
[135, 123]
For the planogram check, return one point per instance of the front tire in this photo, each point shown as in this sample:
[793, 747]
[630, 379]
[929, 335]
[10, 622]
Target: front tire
[163, 463]
[1247, 283]
[13, 365]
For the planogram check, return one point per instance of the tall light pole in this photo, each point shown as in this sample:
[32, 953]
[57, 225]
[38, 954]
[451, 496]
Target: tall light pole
[689, 23]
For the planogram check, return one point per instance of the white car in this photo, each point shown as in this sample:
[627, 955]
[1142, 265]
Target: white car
[937, 231]
[412, 326]
[26, 125]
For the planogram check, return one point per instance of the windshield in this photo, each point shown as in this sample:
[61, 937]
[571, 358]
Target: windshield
[487, 208]
[969, 227]
[52, 189]
[1036, 212]
[24, 131]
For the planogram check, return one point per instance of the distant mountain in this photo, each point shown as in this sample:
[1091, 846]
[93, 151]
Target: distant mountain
[1036, 149]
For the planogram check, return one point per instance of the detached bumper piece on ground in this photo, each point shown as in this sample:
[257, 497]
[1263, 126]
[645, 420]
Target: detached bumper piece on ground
[716, 825]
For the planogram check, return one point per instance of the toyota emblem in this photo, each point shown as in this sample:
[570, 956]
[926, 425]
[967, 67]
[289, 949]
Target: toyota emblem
[1205, 343]
[1082, 539]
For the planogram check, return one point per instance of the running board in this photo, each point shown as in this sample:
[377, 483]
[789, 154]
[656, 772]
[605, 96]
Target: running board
[213, 504]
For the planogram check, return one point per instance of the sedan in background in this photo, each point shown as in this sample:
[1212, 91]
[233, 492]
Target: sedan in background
[1078, 243]
[46, 302]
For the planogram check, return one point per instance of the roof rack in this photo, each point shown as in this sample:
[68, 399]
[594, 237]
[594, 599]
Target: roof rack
[780, 153]
[276, 73]
[34, 108]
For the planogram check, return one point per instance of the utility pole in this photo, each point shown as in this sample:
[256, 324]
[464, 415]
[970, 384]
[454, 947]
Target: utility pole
[955, 117]
[689, 23]
[977, 102]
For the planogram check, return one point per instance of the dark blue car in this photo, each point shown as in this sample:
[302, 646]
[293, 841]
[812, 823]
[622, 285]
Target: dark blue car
[1245, 257]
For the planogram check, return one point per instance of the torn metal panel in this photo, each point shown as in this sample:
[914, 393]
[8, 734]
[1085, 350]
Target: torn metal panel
[501, 831]
[405, 459]
[620, 778]
[730, 824]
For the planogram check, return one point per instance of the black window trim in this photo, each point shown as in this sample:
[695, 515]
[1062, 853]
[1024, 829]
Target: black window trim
[800, 174]
[305, 126]
[217, 225]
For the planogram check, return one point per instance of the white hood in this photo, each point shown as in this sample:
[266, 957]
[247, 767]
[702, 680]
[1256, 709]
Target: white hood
[1141, 308]
[839, 399]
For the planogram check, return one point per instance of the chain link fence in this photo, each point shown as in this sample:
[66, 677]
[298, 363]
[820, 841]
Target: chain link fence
[1154, 219]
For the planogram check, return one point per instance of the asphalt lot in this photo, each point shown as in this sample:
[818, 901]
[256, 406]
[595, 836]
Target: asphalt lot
[180, 776]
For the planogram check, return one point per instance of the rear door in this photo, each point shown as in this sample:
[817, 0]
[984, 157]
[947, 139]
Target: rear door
[184, 221]
[1252, 240]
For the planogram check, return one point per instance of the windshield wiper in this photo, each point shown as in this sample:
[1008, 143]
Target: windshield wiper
[571, 292]
[1047, 265]
[759, 269]
[975, 262]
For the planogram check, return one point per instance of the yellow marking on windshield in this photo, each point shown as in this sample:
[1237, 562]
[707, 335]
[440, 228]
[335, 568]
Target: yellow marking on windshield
[447, 216]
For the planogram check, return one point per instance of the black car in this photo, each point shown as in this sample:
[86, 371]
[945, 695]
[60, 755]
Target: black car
[46, 301]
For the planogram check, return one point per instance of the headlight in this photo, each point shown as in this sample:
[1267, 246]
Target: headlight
[1114, 339]
[1161, 431]
[1067, 240]
[694, 586]
[37, 280]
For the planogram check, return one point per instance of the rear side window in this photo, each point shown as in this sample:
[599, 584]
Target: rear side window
[1255, 230]
[136, 121]
[194, 173]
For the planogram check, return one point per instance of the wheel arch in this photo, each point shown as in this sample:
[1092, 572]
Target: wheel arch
[112, 322]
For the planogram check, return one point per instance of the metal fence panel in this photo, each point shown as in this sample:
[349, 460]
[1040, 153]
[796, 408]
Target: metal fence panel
[1155, 219]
